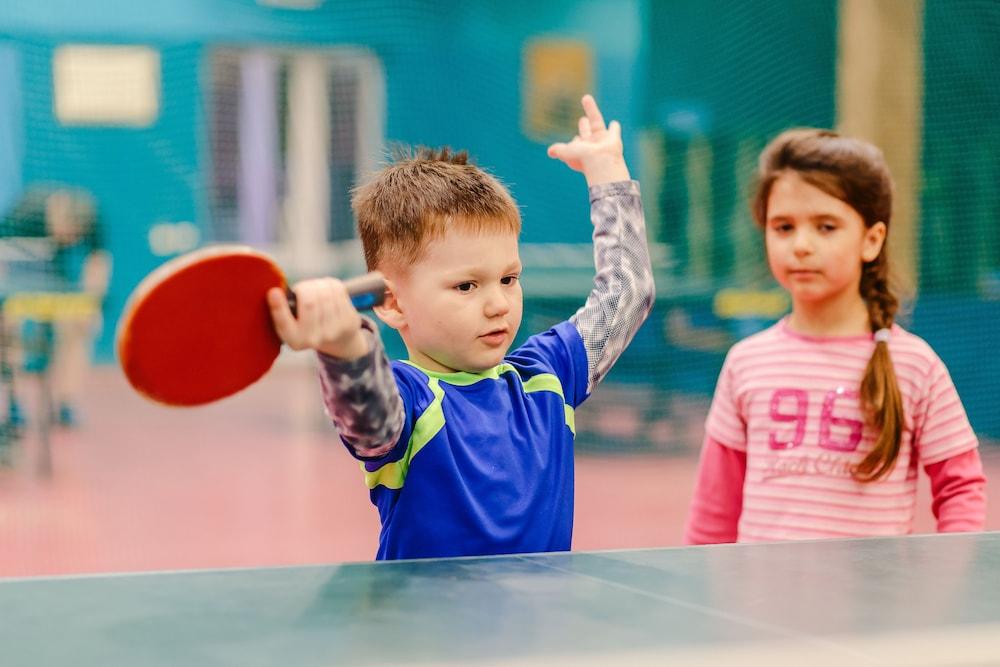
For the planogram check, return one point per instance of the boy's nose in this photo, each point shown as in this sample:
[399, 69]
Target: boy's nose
[496, 304]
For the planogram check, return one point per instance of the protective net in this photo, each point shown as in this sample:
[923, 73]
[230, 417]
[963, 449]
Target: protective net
[190, 123]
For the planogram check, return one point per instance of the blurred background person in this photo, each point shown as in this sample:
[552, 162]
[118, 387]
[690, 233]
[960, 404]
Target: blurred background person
[55, 245]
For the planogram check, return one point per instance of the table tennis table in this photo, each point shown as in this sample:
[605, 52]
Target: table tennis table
[921, 600]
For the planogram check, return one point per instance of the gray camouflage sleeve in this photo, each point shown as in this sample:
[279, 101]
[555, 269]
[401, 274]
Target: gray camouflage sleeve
[362, 399]
[623, 291]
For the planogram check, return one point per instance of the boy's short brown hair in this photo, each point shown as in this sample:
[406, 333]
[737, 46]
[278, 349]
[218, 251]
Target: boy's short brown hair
[419, 197]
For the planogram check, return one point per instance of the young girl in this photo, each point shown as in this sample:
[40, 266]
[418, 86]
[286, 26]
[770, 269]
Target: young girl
[818, 423]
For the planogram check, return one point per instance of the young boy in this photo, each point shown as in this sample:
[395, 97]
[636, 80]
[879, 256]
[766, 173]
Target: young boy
[468, 450]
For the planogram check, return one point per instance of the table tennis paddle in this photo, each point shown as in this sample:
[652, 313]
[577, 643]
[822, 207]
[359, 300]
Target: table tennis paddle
[198, 328]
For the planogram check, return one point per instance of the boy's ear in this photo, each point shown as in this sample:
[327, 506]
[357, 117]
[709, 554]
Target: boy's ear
[389, 310]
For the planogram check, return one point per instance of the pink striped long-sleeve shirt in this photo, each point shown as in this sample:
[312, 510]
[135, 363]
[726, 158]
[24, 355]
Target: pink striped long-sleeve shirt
[786, 428]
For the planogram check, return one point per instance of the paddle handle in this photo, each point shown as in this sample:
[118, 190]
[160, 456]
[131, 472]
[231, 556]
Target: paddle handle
[366, 291]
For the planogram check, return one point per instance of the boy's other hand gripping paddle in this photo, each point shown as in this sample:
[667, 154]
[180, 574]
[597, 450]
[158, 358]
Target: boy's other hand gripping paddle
[198, 328]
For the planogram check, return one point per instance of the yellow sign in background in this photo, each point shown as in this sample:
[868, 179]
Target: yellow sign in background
[556, 74]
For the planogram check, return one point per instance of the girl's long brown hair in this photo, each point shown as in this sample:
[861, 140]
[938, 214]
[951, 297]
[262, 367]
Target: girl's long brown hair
[855, 172]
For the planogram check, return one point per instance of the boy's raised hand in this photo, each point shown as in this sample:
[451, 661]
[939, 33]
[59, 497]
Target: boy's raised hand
[596, 150]
[325, 319]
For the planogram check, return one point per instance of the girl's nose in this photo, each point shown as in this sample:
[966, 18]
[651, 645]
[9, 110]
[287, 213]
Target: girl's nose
[802, 243]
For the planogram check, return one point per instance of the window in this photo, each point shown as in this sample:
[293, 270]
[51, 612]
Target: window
[291, 132]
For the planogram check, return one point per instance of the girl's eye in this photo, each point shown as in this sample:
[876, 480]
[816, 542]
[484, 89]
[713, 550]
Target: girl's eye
[508, 280]
[465, 287]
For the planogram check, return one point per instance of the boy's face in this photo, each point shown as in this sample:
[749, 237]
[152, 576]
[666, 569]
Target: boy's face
[459, 306]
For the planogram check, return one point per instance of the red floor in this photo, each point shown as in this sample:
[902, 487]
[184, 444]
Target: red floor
[258, 480]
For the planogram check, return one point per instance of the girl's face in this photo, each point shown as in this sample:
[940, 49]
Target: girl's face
[816, 243]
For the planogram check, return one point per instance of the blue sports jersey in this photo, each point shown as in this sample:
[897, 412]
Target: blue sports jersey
[484, 464]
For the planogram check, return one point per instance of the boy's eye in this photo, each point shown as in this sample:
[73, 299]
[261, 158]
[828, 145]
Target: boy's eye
[465, 287]
[508, 280]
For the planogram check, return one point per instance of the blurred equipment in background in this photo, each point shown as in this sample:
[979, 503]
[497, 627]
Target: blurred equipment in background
[55, 272]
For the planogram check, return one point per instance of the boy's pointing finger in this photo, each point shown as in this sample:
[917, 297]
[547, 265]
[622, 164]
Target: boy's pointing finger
[593, 112]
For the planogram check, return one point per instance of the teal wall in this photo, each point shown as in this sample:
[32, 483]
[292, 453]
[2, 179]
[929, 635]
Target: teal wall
[749, 67]
[960, 202]
[728, 75]
[723, 76]
[11, 126]
[453, 74]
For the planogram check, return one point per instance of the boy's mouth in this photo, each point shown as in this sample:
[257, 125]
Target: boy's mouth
[494, 337]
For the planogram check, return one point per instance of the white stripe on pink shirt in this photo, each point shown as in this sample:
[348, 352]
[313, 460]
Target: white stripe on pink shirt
[789, 403]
